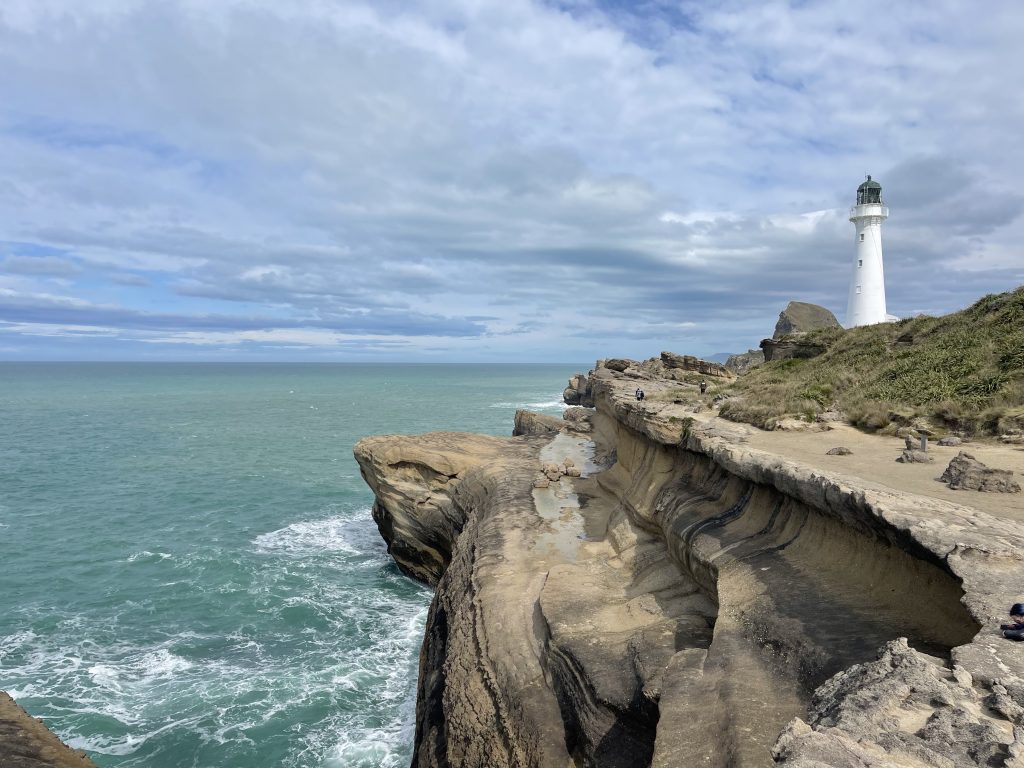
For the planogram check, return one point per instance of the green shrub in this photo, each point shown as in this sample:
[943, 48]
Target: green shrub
[965, 369]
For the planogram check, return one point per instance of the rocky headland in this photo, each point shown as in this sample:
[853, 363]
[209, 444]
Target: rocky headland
[646, 584]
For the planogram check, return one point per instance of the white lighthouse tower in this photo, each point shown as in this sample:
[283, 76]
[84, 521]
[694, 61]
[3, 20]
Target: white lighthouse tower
[867, 286]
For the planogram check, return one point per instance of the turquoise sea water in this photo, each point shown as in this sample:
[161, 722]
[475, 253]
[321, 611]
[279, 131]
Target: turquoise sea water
[189, 574]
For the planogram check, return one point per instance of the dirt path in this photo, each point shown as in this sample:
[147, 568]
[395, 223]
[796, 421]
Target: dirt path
[874, 460]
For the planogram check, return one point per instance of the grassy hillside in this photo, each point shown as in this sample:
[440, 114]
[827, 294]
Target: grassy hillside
[964, 371]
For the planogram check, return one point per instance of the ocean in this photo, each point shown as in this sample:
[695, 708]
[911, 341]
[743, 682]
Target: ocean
[189, 573]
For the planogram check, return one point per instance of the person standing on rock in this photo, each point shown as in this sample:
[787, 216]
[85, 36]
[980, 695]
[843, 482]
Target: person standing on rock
[703, 386]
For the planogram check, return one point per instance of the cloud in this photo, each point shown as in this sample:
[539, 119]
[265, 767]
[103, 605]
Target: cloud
[493, 180]
[39, 265]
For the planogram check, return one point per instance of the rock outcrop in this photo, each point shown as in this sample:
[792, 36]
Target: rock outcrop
[744, 361]
[790, 338]
[967, 473]
[673, 361]
[531, 423]
[791, 347]
[800, 317]
[26, 743]
[688, 599]
[578, 391]
[904, 709]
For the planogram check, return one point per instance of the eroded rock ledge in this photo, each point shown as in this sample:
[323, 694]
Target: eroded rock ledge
[25, 742]
[690, 601]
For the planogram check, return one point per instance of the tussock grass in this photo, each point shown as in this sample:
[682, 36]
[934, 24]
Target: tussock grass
[964, 370]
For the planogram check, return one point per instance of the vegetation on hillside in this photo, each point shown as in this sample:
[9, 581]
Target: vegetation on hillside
[964, 371]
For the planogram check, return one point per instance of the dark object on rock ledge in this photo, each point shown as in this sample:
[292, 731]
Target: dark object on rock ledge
[948, 441]
[914, 456]
[966, 472]
[840, 451]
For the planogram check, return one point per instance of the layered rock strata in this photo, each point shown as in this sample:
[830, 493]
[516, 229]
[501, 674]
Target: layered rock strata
[688, 599]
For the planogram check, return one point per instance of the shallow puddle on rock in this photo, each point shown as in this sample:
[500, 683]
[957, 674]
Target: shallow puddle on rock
[559, 504]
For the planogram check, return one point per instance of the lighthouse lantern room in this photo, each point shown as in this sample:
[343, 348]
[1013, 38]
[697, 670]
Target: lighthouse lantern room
[866, 305]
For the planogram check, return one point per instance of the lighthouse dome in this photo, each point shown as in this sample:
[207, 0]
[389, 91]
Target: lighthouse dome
[870, 192]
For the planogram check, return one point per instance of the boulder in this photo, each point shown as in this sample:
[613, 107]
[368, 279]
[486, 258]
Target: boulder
[840, 451]
[830, 416]
[966, 472]
[800, 317]
[689, 363]
[950, 441]
[618, 364]
[914, 456]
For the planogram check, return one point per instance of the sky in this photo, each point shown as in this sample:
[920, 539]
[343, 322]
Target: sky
[490, 180]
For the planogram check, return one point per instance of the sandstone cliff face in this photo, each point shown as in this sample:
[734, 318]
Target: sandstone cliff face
[688, 600]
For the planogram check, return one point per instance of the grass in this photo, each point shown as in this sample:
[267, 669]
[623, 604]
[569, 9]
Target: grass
[964, 371]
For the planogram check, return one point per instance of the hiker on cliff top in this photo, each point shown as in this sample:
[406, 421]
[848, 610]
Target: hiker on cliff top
[1014, 631]
[703, 386]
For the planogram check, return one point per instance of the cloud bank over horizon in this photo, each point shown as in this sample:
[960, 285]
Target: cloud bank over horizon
[489, 180]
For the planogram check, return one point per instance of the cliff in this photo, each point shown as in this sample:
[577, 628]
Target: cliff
[26, 743]
[690, 599]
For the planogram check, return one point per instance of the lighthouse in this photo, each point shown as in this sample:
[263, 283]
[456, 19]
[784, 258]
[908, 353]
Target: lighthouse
[867, 286]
